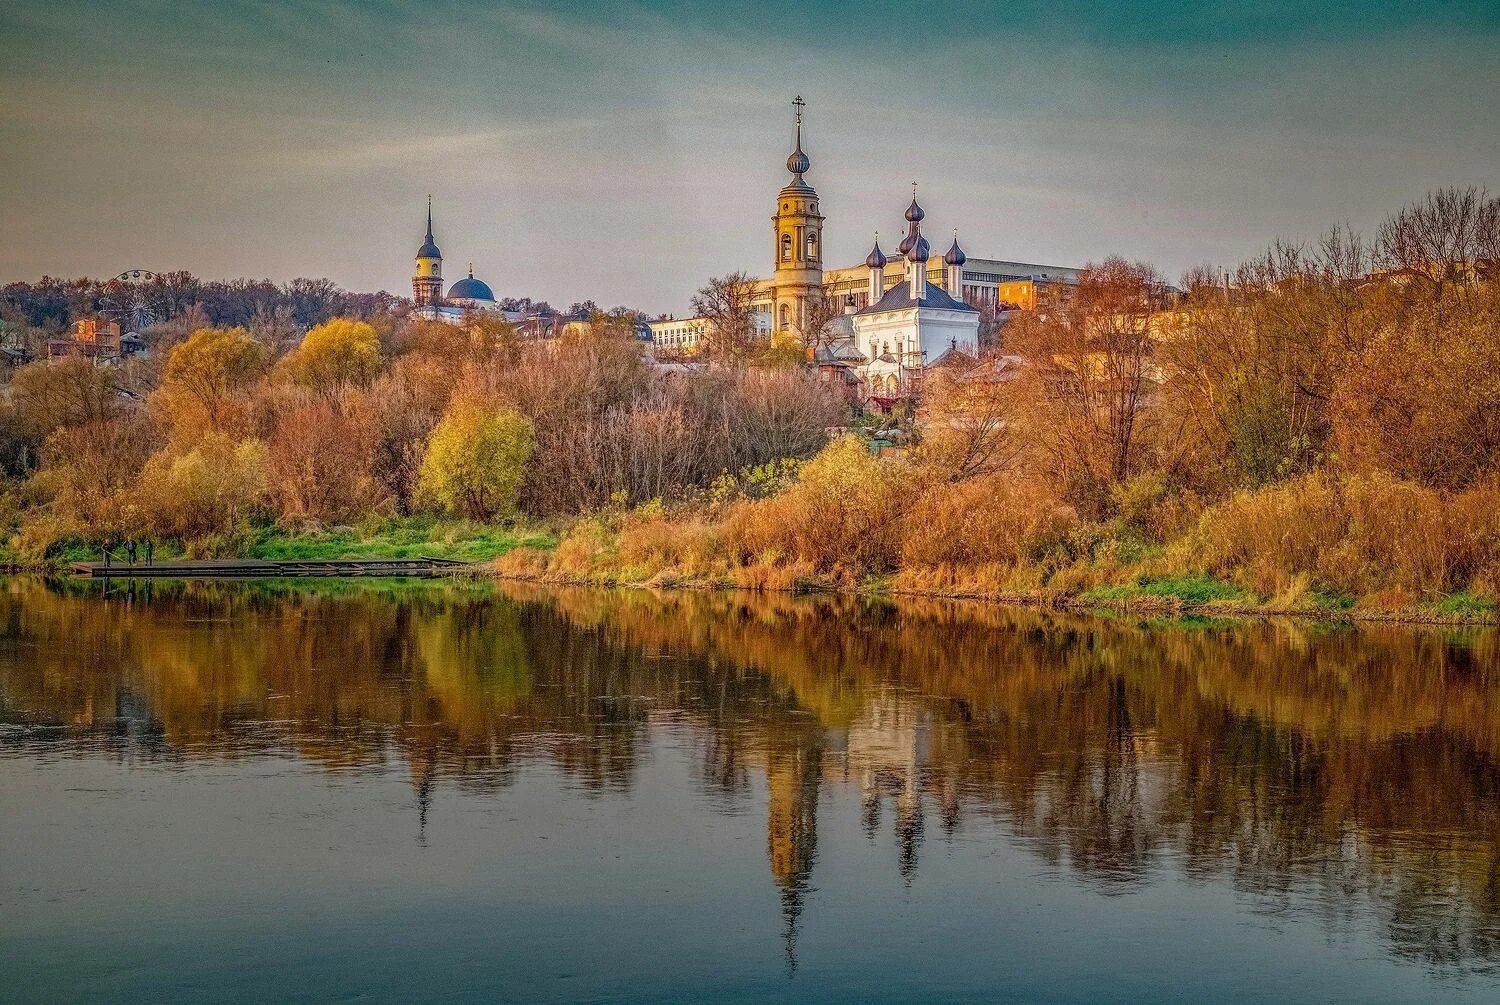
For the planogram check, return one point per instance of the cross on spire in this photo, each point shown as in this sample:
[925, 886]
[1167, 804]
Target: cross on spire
[429, 216]
[799, 104]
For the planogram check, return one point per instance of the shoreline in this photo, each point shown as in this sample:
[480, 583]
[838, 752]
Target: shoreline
[1145, 604]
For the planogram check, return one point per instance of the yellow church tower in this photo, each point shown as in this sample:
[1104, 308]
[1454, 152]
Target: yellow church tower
[427, 280]
[798, 278]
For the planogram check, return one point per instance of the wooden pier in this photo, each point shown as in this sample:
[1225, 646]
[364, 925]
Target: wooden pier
[256, 568]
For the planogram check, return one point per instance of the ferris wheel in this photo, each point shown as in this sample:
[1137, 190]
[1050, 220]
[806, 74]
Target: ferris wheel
[134, 299]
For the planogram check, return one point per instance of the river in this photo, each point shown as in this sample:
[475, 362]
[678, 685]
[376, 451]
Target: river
[495, 791]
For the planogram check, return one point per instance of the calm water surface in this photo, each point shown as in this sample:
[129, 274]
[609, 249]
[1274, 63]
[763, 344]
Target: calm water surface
[350, 791]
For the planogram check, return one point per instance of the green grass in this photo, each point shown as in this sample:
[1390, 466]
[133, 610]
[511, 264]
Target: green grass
[1190, 590]
[412, 537]
[1465, 605]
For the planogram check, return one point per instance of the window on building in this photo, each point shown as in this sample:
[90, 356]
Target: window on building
[786, 317]
[786, 247]
[812, 247]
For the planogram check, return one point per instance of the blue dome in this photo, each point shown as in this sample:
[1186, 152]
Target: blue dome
[470, 289]
[955, 255]
[429, 250]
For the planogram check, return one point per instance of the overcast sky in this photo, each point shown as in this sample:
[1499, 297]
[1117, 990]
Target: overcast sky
[626, 151]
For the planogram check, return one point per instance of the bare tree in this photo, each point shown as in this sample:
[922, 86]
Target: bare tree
[1444, 238]
[1089, 377]
[821, 312]
[726, 303]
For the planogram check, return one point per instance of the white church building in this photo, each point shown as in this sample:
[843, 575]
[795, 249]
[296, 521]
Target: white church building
[914, 324]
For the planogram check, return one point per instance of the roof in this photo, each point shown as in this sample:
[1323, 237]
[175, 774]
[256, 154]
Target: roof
[843, 351]
[470, 289]
[953, 356]
[899, 298]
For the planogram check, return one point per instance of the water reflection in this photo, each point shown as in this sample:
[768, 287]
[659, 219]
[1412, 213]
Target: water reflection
[1353, 770]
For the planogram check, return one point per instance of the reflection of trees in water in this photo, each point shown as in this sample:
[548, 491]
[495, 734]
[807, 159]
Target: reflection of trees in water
[1316, 769]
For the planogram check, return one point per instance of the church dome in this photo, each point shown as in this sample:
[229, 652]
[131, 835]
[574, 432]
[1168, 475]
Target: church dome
[798, 163]
[955, 255]
[470, 289]
[428, 249]
[877, 258]
[919, 250]
[914, 212]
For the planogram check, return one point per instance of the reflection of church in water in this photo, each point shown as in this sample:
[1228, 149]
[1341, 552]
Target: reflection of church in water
[885, 750]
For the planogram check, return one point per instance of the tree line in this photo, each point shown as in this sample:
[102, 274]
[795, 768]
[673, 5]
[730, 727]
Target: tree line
[1321, 423]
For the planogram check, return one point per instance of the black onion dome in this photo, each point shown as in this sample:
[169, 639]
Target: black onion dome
[955, 255]
[907, 241]
[919, 251]
[914, 212]
[877, 257]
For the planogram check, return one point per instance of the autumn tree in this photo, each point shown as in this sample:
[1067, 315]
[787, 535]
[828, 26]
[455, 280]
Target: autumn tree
[204, 494]
[206, 376]
[336, 355]
[1445, 242]
[62, 394]
[968, 419]
[476, 460]
[1088, 379]
[320, 458]
[83, 488]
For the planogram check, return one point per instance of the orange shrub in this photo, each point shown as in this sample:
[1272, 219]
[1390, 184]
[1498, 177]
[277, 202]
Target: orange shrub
[1358, 534]
[321, 458]
[843, 514]
[1003, 518]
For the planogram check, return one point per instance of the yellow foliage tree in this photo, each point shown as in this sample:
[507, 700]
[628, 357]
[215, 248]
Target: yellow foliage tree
[477, 459]
[206, 374]
[207, 494]
[337, 354]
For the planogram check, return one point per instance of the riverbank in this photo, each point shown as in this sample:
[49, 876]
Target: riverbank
[1150, 599]
[597, 553]
[383, 538]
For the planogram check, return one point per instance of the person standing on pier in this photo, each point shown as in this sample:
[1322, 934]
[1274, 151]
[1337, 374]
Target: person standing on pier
[150, 551]
[130, 550]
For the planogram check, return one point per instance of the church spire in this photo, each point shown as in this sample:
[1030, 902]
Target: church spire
[427, 280]
[798, 163]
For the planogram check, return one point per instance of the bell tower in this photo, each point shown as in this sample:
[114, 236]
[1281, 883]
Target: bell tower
[798, 277]
[427, 280]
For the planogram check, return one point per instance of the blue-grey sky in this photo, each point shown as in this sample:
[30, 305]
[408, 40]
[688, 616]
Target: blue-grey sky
[626, 151]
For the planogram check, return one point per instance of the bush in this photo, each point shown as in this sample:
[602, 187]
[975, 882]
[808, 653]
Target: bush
[476, 460]
[206, 495]
[843, 514]
[1355, 535]
[1001, 518]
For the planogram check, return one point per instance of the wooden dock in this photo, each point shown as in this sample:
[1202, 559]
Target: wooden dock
[255, 568]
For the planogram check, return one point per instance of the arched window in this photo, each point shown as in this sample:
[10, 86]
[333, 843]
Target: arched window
[812, 246]
[786, 247]
[786, 317]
